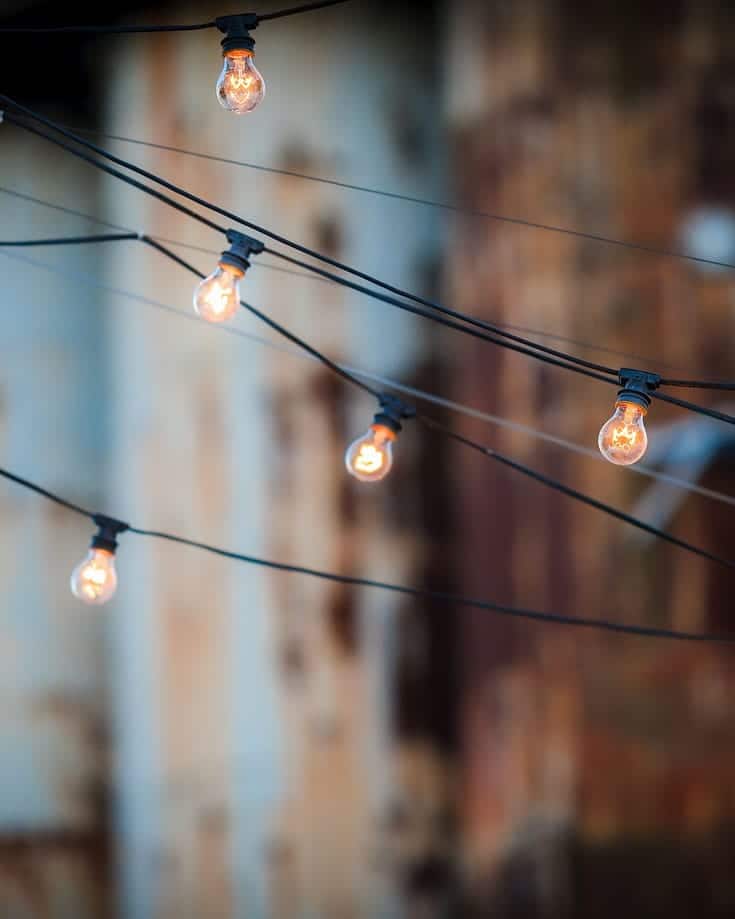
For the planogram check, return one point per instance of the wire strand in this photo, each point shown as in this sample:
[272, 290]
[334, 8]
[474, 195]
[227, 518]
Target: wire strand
[310, 275]
[412, 199]
[68, 240]
[281, 330]
[107, 30]
[448, 432]
[551, 353]
[576, 364]
[424, 594]
[277, 237]
[382, 381]
[304, 8]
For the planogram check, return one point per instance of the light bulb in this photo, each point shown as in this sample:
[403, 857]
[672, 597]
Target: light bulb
[240, 87]
[94, 580]
[623, 439]
[370, 457]
[217, 297]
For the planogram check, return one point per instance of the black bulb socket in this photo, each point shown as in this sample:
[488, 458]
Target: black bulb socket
[107, 532]
[392, 412]
[241, 248]
[637, 385]
[237, 30]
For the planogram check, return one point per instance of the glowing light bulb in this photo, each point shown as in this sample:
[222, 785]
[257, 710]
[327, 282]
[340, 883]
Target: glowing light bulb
[217, 298]
[240, 87]
[94, 580]
[370, 457]
[623, 439]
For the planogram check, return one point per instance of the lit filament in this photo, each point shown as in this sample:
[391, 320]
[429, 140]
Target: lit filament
[623, 439]
[240, 86]
[94, 580]
[370, 457]
[217, 298]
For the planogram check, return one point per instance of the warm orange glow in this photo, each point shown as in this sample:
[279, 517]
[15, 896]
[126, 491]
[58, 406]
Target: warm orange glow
[240, 87]
[217, 298]
[370, 457]
[94, 580]
[623, 439]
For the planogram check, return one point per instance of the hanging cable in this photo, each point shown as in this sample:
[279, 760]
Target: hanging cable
[380, 380]
[587, 367]
[134, 29]
[310, 275]
[94, 579]
[271, 235]
[390, 416]
[285, 333]
[68, 240]
[410, 199]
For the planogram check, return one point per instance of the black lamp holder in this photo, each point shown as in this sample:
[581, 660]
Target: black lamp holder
[241, 248]
[107, 532]
[392, 412]
[637, 385]
[237, 31]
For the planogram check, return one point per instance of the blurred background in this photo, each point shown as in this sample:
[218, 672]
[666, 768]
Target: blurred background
[223, 741]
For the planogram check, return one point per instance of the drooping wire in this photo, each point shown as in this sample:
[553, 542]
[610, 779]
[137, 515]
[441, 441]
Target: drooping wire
[310, 275]
[305, 250]
[303, 8]
[420, 593]
[136, 29]
[448, 432]
[68, 240]
[290, 336]
[411, 199]
[588, 368]
[382, 381]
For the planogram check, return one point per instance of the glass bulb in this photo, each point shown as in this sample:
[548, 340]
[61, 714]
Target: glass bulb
[240, 87]
[217, 297]
[370, 457]
[623, 439]
[94, 580]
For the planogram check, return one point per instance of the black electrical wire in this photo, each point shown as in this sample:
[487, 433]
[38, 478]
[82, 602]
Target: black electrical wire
[478, 323]
[572, 492]
[57, 499]
[312, 276]
[423, 594]
[294, 339]
[106, 30]
[277, 237]
[140, 29]
[304, 8]
[117, 174]
[699, 384]
[69, 240]
[531, 349]
[411, 199]
[448, 432]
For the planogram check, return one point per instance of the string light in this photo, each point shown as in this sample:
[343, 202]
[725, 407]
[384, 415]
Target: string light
[370, 457]
[240, 87]
[94, 580]
[623, 439]
[217, 297]
[461, 322]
